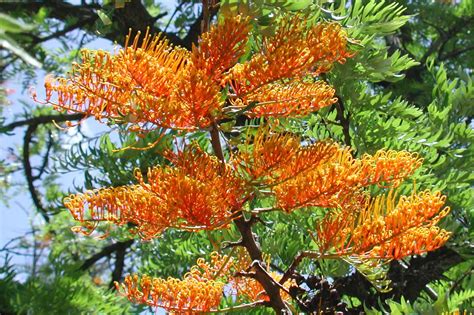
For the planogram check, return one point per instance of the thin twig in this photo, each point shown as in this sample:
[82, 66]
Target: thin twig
[238, 307]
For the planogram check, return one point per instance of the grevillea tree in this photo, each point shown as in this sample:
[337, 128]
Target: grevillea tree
[243, 92]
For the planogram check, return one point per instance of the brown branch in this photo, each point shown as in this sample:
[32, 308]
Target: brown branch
[134, 15]
[200, 25]
[437, 45]
[456, 52]
[119, 262]
[43, 166]
[64, 31]
[216, 142]
[33, 124]
[105, 252]
[296, 261]
[29, 172]
[344, 121]
[268, 283]
[39, 120]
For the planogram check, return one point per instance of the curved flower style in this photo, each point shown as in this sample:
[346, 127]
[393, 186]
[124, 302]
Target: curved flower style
[121, 205]
[132, 86]
[198, 193]
[152, 84]
[384, 229]
[221, 47]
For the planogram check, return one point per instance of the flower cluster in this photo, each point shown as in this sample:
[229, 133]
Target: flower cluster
[197, 193]
[293, 51]
[322, 174]
[152, 84]
[385, 229]
[200, 290]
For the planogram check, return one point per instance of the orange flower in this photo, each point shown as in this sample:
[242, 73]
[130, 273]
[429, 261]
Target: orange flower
[384, 230]
[251, 290]
[195, 101]
[201, 189]
[338, 180]
[295, 98]
[130, 86]
[221, 47]
[294, 50]
[386, 167]
[270, 158]
[200, 290]
[198, 193]
[154, 83]
[121, 205]
[321, 174]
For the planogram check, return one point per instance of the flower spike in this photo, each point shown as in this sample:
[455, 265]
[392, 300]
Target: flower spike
[198, 193]
[154, 83]
[121, 205]
[338, 179]
[221, 47]
[386, 229]
[296, 98]
[293, 51]
[201, 289]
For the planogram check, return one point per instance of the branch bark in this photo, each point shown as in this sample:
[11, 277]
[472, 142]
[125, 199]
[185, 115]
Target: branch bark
[105, 252]
[29, 172]
[119, 262]
[344, 121]
[39, 120]
[268, 283]
[250, 244]
[408, 282]
[33, 124]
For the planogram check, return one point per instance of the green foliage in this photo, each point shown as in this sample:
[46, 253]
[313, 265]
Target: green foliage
[117, 160]
[59, 294]
[13, 26]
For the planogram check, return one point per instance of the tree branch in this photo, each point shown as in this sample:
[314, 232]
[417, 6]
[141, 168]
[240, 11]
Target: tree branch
[133, 16]
[29, 172]
[119, 262]
[39, 120]
[33, 124]
[268, 283]
[408, 282]
[64, 31]
[455, 53]
[105, 252]
[344, 120]
[43, 166]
